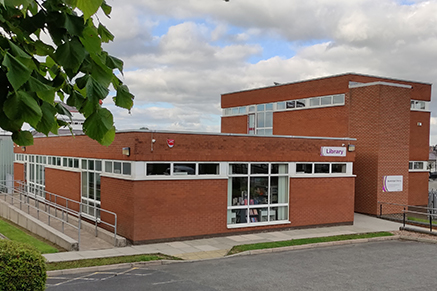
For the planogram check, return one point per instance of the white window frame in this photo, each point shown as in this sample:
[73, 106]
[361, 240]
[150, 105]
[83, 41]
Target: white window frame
[294, 173]
[416, 168]
[419, 105]
[249, 206]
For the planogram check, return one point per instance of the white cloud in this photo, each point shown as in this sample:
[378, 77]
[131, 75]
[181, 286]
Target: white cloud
[206, 47]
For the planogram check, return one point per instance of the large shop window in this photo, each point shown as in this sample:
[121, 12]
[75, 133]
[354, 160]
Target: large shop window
[257, 193]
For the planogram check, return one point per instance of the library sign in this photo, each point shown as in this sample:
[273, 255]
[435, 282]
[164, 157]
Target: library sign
[393, 184]
[333, 151]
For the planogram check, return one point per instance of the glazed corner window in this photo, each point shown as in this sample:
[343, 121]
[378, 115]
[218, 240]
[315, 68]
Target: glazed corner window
[184, 169]
[291, 104]
[235, 110]
[338, 168]
[126, 168]
[98, 166]
[242, 110]
[280, 105]
[158, 169]
[76, 163]
[321, 168]
[304, 168]
[410, 166]
[209, 169]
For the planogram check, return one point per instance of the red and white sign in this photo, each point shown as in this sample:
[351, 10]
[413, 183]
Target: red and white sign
[333, 151]
[170, 143]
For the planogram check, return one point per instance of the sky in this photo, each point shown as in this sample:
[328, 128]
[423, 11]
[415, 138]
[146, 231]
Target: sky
[180, 56]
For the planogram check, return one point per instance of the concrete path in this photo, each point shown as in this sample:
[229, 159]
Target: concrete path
[218, 247]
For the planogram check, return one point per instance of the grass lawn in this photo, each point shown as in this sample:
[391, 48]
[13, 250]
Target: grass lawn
[303, 241]
[422, 220]
[16, 233]
[107, 261]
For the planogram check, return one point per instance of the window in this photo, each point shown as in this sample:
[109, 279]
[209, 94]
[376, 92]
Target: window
[304, 168]
[417, 166]
[315, 101]
[321, 168]
[338, 99]
[184, 169]
[117, 168]
[108, 167]
[209, 169]
[257, 193]
[338, 168]
[126, 168]
[158, 169]
[326, 100]
[280, 105]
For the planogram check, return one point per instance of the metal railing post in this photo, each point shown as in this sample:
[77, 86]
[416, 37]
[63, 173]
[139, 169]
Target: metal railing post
[115, 230]
[404, 217]
[380, 210]
[78, 230]
[430, 221]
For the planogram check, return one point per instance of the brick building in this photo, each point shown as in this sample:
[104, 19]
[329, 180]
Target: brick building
[166, 185]
[389, 118]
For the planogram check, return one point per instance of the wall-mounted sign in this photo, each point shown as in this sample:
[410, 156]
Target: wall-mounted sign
[393, 184]
[333, 151]
[170, 143]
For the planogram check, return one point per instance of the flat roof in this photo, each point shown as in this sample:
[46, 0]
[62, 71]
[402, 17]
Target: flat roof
[325, 77]
[65, 133]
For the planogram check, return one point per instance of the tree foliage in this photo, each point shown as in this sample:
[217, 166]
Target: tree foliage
[52, 48]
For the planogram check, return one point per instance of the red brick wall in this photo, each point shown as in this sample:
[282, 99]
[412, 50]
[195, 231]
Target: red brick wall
[419, 136]
[64, 183]
[234, 124]
[19, 171]
[418, 188]
[382, 132]
[394, 137]
[119, 196]
[317, 87]
[188, 208]
[190, 147]
[321, 200]
[331, 121]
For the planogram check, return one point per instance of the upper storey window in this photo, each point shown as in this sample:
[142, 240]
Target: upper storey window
[419, 105]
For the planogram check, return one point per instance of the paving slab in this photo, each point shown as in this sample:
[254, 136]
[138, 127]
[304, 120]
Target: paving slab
[219, 247]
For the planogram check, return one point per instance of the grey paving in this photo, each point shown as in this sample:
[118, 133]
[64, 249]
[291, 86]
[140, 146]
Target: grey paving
[218, 247]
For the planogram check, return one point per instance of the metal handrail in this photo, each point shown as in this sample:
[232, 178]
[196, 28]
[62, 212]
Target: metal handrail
[52, 200]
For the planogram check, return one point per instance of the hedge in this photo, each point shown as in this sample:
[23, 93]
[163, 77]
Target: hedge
[22, 267]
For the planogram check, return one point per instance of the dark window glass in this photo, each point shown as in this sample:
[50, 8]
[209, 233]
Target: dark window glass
[126, 168]
[290, 104]
[321, 168]
[259, 169]
[338, 168]
[158, 169]
[184, 169]
[304, 168]
[209, 169]
[238, 169]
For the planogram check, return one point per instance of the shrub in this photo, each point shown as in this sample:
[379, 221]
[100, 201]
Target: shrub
[22, 267]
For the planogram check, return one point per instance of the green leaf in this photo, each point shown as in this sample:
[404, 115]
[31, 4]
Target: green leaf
[100, 126]
[91, 40]
[100, 71]
[70, 54]
[114, 63]
[23, 138]
[124, 98]
[75, 99]
[94, 91]
[22, 106]
[104, 33]
[8, 124]
[17, 51]
[74, 24]
[48, 118]
[43, 49]
[89, 7]
[44, 92]
[62, 110]
[17, 73]
[106, 8]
